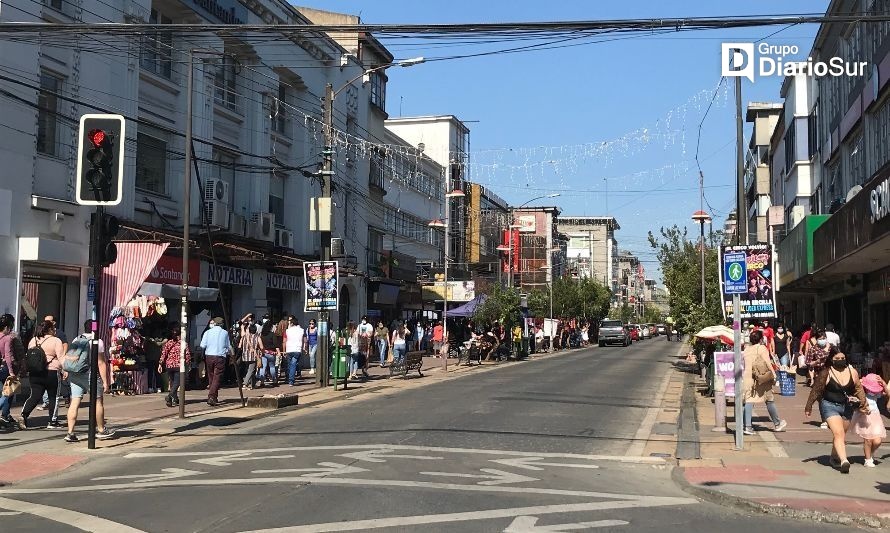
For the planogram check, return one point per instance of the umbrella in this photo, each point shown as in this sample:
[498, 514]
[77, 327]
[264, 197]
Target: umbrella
[723, 334]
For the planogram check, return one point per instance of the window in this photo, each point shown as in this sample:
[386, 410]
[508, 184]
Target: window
[157, 48]
[276, 196]
[857, 163]
[375, 176]
[151, 163]
[225, 89]
[378, 90]
[48, 115]
[813, 130]
[881, 135]
[55, 4]
[351, 144]
[790, 146]
[279, 111]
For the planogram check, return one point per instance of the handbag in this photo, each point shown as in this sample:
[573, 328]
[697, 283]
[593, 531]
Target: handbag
[11, 386]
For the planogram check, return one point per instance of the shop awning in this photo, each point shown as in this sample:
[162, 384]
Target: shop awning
[167, 290]
[469, 308]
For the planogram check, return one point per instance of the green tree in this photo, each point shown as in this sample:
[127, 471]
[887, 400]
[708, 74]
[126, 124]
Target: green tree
[680, 265]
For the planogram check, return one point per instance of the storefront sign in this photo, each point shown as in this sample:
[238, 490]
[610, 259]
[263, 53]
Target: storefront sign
[229, 275]
[458, 291]
[726, 369]
[322, 285]
[759, 300]
[879, 201]
[282, 282]
[527, 223]
[168, 270]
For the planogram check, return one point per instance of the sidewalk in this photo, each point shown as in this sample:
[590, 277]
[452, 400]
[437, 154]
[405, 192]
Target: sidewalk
[786, 474]
[144, 420]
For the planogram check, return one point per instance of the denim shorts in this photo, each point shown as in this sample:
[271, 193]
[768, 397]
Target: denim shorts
[829, 409]
[80, 384]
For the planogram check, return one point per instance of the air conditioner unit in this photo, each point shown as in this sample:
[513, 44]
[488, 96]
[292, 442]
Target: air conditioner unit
[216, 214]
[263, 226]
[239, 225]
[284, 238]
[216, 189]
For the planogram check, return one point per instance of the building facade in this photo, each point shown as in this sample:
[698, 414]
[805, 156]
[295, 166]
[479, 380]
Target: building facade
[487, 218]
[592, 250]
[764, 116]
[536, 247]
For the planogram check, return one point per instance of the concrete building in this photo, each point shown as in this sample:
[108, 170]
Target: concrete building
[764, 116]
[536, 246]
[592, 248]
[256, 125]
[487, 219]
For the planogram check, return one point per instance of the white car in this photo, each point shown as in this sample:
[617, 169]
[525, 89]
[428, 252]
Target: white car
[645, 331]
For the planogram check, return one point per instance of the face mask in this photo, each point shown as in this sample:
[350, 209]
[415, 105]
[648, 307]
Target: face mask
[839, 364]
[780, 330]
[822, 342]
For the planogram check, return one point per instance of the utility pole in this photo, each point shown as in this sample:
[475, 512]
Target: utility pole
[741, 223]
[186, 221]
[322, 374]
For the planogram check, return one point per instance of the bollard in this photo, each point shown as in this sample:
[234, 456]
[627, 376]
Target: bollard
[719, 405]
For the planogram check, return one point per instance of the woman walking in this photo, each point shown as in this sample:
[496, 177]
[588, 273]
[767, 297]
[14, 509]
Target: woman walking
[355, 353]
[816, 352]
[839, 392]
[44, 377]
[251, 352]
[169, 364]
[399, 344]
[312, 342]
[759, 379]
[381, 335]
[782, 341]
[271, 352]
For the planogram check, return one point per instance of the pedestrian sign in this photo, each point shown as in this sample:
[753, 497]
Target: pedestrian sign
[735, 273]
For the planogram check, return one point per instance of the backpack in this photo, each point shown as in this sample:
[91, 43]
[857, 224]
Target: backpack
[77, 358]
[35, 360]
[763, 373]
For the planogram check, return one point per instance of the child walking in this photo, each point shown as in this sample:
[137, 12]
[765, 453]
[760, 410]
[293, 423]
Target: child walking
[871, 426]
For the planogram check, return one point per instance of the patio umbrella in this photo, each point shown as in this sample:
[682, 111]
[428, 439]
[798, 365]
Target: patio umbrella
[722, 333]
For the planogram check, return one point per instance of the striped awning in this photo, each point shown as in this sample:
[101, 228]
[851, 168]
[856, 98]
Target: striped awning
[121, 280]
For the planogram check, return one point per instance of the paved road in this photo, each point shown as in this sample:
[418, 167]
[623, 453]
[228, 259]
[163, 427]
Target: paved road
[536, 446]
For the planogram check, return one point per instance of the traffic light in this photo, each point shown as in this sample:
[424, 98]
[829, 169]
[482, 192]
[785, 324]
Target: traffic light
[100, 162]
[104, 228]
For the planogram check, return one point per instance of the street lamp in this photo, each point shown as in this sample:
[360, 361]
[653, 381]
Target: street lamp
[445, 224]
[511, 227]
[702, 217]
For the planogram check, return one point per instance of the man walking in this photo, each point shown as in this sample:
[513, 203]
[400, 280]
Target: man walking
[77, 361]
[294, 341]
[217, 346]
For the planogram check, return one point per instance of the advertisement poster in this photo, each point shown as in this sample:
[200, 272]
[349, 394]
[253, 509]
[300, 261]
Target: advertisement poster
[759, 299]
[321, 286]
[726, 368]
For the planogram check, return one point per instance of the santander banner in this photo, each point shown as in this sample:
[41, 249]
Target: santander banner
[169, 270]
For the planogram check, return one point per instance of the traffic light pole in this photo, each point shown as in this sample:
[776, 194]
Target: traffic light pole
[322, 375]
[96, 238]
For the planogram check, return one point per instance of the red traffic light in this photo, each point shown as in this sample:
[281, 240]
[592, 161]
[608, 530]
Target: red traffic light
[97, 137]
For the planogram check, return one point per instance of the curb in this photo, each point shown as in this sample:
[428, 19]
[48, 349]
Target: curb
[780, 511]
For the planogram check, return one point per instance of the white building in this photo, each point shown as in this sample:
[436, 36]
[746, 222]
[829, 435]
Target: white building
[257, 112]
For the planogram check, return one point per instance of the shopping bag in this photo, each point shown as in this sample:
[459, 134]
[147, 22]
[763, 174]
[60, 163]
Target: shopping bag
[802, 361]
[787, 383]
[11, 386]
[389, 355]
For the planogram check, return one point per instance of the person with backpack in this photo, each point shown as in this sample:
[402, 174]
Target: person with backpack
[11, 351]
[759, 379]
[76, 364]
[42, 362]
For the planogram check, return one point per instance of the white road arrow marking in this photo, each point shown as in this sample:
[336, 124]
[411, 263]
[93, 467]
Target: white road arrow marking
[534, 463]
[164, 474]
[380, 456]
[492, 476]
[227, 460]
[322, 470]
[527, 524]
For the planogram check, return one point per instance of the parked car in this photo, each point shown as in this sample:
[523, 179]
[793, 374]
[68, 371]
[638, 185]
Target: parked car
[613, 332]
[633, 331]
[661, 329]
[645, 333]
[638, 329]
[652, 330]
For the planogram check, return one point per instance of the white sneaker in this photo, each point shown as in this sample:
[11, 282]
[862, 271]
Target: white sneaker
[312, 372]
[823, 425]
[870, 463]
[748, 431]
[780, 427]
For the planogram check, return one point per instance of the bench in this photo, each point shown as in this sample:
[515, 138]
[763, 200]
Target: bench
[413, 361]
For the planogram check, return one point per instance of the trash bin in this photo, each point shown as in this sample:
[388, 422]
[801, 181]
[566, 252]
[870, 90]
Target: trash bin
[340, 362]
[787, 383]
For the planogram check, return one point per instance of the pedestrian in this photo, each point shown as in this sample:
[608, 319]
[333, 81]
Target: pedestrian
[10, 368]
[217, 347]
[759, 379]
[312, 343]
[438, 339]
[839, 392]
[419, 336]
[782, 346]
[355, 354]
[271, 352]
[62, 390]
[294, 341]
[381, 335]
[42, 361]
[769, 337]
[833, 338]
[539, 339]
[169, 363]
[871, 426]
[366, 336]
[76, 364]
[251, 352]
[399, 344]
[816, 353]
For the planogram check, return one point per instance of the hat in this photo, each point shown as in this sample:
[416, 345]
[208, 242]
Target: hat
[871, 384]
[219, 321]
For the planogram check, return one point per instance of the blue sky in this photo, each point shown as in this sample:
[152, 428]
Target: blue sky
[620, 116]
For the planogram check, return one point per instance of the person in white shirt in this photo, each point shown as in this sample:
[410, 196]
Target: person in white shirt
[833, 338]
[366, 333]
[294, 343]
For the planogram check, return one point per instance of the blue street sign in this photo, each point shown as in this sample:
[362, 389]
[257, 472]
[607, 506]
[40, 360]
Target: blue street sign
[735, 273]
[91, 289]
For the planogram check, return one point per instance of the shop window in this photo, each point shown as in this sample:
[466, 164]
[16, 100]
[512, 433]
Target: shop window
[156, 53]
[151, 163]
[48, 114]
